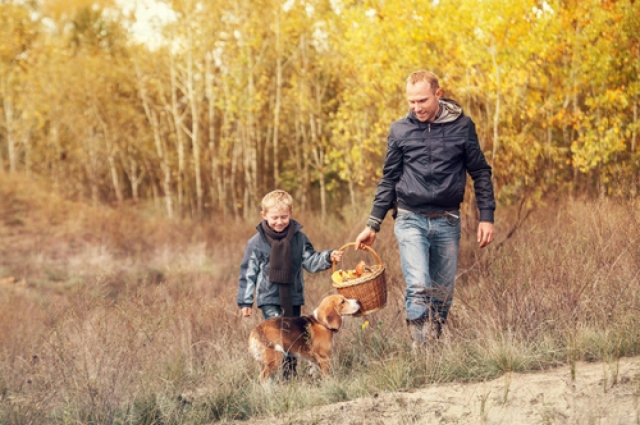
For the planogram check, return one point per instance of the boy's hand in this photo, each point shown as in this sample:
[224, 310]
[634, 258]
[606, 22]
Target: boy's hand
[246, 311]
[336, 256]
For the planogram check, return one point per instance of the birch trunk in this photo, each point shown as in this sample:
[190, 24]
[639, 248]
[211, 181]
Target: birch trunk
[496, 114]
[352, 195]
[237, 151]
[55, 153]
[634, 133]
[249, 138]
[216, 189]
[26, 146]
[115, 179]
[111, 148]
[277, 105]
[319, 159]
[316, 90]
[177, 125]
[10, 131]
[160, 144]
[194, 133]
[130, 166]
[91, 165]
[152, 179]
[226, 185]
[298, 148]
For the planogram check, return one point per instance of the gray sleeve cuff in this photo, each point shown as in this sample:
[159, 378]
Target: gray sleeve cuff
[374, 223]
[486, 215]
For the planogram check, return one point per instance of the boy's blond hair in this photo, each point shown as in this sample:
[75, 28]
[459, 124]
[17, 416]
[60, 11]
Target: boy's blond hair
[277, 199]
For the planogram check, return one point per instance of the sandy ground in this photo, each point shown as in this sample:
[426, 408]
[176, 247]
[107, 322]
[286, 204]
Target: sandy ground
[601, 393]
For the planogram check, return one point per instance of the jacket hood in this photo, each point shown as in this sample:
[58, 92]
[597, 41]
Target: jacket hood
[450, 110]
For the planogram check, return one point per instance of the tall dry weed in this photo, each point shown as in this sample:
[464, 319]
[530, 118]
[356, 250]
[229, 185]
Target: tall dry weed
[113, 318]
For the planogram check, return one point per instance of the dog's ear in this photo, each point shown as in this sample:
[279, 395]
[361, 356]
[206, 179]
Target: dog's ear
[334, 320]
[326, 314]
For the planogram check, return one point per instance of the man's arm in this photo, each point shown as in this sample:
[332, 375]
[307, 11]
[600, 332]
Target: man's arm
[385, 194]
[480, 172]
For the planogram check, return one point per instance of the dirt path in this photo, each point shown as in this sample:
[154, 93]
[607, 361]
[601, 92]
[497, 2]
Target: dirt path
[601, 393]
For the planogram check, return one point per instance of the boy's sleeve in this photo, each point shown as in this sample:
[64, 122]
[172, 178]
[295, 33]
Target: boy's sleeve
[248, 278]
[313, 261]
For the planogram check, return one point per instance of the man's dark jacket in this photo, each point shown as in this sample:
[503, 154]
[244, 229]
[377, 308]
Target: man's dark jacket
[426, 166]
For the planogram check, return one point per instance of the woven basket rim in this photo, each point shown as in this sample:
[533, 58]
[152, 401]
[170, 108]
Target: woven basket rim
[359, 280]
[365, 247]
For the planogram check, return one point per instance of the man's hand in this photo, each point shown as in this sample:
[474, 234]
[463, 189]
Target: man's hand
[366, 237]
[246, 311]
[485, 233]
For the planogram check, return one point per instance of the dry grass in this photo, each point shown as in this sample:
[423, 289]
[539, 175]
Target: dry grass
[108, 317]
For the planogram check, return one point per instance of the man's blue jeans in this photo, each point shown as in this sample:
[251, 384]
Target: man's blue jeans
[429, 259]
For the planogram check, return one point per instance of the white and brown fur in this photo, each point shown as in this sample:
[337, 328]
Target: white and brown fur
[306, 337]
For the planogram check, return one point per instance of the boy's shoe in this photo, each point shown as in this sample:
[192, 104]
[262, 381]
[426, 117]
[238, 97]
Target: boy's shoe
[289, 367]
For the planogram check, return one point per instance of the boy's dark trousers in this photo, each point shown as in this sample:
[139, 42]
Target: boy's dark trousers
[289, 363]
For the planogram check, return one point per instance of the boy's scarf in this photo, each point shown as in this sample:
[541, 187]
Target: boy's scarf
[280, 264]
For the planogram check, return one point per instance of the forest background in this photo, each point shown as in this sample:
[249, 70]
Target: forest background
[234, 97]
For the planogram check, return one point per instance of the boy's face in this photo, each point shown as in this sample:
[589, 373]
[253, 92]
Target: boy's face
[277, 218]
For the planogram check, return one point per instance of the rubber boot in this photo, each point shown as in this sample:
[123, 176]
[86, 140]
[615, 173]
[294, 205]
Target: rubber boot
[434, 329]
[418, 330]
[423, 332]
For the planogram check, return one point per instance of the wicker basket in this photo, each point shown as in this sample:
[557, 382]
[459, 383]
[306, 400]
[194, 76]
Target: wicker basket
[370, 290]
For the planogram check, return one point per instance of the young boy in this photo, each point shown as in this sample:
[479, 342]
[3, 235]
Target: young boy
[273, 262]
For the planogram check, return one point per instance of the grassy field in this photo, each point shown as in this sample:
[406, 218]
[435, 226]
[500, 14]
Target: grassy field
[121, 317]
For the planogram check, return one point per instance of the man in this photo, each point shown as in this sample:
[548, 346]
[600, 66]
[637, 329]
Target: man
[429, 153]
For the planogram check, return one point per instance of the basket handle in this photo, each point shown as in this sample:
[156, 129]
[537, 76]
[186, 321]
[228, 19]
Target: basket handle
[366, 248]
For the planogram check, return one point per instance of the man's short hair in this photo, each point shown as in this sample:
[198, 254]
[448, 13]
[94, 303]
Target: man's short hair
[277, 199]
[423, 75]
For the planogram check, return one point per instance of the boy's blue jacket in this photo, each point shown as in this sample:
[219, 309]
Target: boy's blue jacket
[254, 270]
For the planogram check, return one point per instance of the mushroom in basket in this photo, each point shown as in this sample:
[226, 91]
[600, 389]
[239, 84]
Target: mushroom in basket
[361, 269]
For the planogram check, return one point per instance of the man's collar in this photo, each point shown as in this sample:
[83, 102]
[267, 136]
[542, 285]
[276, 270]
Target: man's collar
[439, 111]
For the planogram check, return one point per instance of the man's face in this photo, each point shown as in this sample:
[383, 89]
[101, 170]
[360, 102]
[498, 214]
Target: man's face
[277, 218]
[423, 100]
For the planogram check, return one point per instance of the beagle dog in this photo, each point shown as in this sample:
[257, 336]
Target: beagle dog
[306, 337]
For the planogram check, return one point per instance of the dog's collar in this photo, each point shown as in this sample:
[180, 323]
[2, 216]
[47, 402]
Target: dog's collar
[315, 316]
[334, 330]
